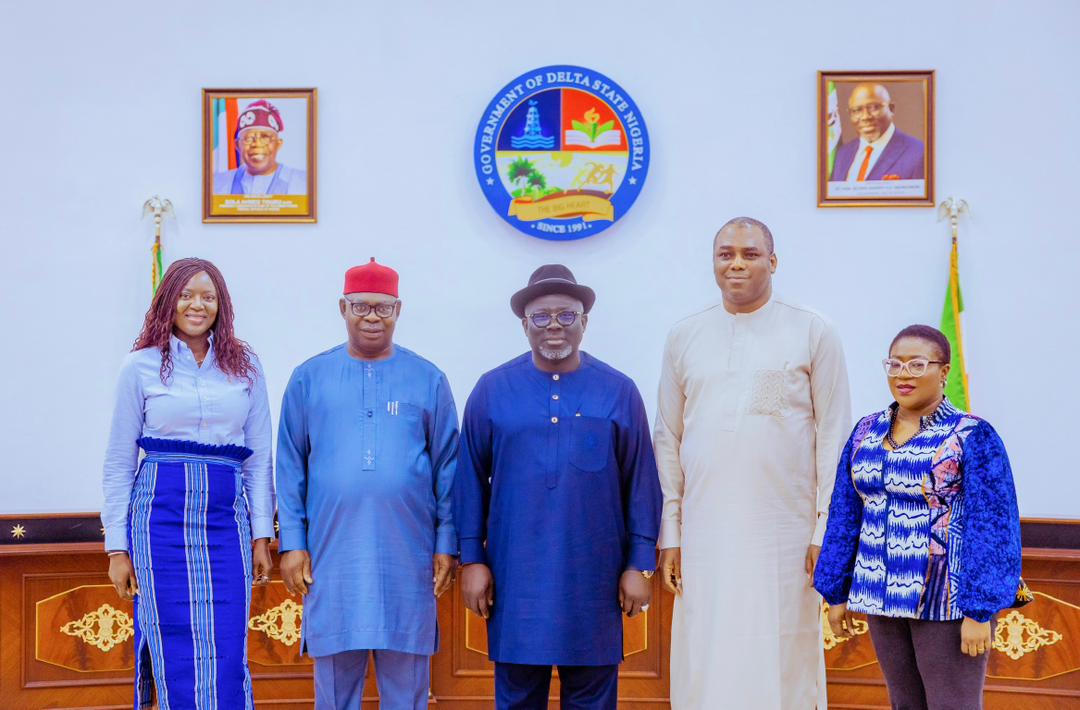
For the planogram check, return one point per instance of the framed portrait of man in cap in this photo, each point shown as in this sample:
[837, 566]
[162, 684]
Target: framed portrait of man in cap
[259, 155]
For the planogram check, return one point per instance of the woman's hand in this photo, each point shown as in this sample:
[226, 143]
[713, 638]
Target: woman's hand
[841, 621]
[975, 637]
[671, 569]
[261, 564]
[122, 575]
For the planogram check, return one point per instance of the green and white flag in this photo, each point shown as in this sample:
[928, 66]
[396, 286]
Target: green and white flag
[957, 388]
[832, 125]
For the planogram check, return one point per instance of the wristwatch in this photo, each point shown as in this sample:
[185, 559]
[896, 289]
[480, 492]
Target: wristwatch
[649, 574]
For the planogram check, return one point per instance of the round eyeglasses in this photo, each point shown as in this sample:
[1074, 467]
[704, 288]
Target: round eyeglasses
[915, 367]
[250, 138]
[566, 319]
[362, 308]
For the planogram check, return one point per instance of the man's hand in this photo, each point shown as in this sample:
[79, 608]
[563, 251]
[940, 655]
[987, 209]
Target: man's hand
[261, 564]
[122, 575]
[812, 554]
[478, 589]
[296, 571]
[444, 573]
[671, 569]
[975, 637]
[634, 592]
[841, 621]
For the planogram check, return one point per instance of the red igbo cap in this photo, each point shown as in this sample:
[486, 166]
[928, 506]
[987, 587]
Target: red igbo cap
[371, 278]
[260, 114]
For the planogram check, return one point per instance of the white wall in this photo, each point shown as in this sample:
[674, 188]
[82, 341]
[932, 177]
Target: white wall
[102, 109]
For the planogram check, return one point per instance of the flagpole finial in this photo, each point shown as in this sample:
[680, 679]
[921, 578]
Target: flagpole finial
[952, 208]
[159, 207]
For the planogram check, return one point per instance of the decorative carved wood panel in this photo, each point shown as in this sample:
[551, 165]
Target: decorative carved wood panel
[1035, 663]
[65, 640]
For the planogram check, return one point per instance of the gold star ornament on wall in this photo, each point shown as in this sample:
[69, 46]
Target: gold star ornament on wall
[18, 532]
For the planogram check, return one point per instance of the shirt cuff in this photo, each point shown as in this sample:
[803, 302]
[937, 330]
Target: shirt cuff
[262, 527]
[446, 540]
[819, 529]
[472, 551]
[293, 539]
[116, 538]
[978, 615]
[833, 599]
[670, 533]
[642, 556]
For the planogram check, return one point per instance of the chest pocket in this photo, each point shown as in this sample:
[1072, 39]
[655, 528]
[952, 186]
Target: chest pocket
[590, 443]
[768, 394]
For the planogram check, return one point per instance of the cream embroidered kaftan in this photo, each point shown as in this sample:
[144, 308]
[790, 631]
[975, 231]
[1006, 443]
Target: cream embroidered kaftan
[753, 412]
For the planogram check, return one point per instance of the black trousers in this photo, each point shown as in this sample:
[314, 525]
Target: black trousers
[923, 666]
[522, 687]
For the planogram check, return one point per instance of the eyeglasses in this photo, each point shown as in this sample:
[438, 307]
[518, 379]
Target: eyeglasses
[251, 138]
[361, 308]
[868, 109]
[543, 320]
[916, 367]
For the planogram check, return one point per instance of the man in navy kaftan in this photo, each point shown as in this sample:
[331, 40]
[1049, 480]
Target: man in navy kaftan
[557, 503]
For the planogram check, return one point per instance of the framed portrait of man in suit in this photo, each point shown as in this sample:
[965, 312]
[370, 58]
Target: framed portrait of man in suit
[259, 155]
[876, 139]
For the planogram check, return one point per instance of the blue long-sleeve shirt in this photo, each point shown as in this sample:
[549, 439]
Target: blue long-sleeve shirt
[558, 494]
[196, 403]
[928, 531]
[366, 458]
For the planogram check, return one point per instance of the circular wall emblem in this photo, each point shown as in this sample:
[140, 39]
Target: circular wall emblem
[562, 152]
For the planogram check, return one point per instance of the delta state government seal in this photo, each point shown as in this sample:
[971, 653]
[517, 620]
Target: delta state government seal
[562, 152]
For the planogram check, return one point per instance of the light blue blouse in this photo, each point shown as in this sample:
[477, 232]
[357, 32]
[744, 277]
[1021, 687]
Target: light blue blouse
[200, 404]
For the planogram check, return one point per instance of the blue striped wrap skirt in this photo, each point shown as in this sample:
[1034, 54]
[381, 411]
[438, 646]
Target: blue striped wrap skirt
[190, 542]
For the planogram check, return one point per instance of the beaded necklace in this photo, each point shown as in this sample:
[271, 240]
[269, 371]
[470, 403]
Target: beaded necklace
[923, 423]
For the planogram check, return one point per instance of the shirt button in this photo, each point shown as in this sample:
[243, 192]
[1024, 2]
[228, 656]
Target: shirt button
[554, 420]
[369, 413]
[554, 396]
[555, 377]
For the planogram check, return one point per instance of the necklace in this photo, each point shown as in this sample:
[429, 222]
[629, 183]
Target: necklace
[923, 423]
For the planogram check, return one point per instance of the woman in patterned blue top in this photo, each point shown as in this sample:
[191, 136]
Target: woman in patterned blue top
[923, 533]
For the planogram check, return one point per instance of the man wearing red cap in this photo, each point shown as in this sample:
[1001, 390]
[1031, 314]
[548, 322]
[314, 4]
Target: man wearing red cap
[367, 449]
[258, 140]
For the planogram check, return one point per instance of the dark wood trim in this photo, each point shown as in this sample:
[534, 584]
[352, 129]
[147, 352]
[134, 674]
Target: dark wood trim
[22, 530]
[1049, 533]
[63, 548]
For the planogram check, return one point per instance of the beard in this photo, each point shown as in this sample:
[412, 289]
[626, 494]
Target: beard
[556, 354]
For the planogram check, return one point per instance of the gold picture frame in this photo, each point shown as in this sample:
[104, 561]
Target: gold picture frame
[876, 138]
[259, 155]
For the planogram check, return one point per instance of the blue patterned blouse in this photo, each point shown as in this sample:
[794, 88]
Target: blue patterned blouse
[929, 531]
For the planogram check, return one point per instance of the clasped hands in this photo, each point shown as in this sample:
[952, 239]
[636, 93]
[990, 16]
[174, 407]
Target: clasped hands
[478, 591]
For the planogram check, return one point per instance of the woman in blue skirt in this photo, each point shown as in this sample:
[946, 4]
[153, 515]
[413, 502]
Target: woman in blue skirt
[179, 524]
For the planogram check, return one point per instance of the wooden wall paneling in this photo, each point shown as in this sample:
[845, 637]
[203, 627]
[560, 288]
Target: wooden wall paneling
[58, 615]
[1036, 658]
[462, 675]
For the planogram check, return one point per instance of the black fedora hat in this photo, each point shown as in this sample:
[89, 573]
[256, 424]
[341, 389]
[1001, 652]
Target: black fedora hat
[549, 279]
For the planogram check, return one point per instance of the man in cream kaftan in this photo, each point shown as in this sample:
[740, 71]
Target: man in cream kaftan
[753, 410]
